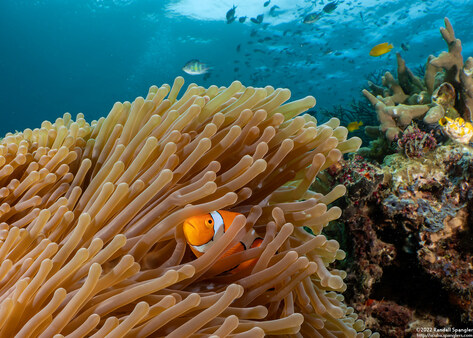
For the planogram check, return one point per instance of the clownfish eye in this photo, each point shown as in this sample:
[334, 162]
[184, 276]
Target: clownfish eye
[208, 223]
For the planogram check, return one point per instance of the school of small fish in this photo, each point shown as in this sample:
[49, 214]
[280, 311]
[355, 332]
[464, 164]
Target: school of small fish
[259, 48]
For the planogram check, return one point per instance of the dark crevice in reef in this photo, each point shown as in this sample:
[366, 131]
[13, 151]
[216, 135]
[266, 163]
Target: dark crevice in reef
[388, 282]
[465, 238]
[392, 293]
[405, 283]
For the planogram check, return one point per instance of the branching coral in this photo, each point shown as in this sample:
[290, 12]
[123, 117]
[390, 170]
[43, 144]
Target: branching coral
[445, 90]
[91, 220]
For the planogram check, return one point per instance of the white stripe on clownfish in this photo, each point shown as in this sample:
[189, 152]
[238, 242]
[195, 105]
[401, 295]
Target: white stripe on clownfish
[219, 230]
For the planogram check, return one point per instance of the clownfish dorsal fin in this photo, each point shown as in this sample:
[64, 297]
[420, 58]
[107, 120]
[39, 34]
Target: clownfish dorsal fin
[228, 217]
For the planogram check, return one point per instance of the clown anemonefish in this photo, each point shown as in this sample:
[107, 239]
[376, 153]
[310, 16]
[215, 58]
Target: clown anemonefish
[202, 231]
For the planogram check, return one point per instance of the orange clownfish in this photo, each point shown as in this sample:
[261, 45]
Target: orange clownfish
[202, 231]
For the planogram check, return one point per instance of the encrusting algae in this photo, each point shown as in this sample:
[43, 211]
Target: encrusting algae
[92, 240]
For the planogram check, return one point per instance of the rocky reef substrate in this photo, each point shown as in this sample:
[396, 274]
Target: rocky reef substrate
[408, 229]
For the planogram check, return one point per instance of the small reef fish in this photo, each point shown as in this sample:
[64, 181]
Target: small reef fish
[381, 49]
[405, 46]
[231, 14]
[330, 7]
[242, 19]
[352, 126]
[312, 17]
[195, 67]
[272, 11]
[202, 231]
[458, 130]
[258, 20]
[266, 4]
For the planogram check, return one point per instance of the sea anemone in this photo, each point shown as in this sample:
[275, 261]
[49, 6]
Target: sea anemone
[91, 219]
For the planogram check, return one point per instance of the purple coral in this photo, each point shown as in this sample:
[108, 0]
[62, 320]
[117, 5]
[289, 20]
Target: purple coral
[415, 142]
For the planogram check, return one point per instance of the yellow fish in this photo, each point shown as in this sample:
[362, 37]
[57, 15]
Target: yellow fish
[457, 129]
[381, 49]
[352, 126]
[202, 231]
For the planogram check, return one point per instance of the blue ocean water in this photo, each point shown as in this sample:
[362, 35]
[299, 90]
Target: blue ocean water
[62, 56]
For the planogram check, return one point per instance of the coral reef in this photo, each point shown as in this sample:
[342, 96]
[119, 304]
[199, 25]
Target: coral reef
[457, 129]
[91, 220]
[445, 90]
[408, 213]
[393, 318]
[415, 142]
[379, 147]
[423, 193]
[409, 225]
[361, 178]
